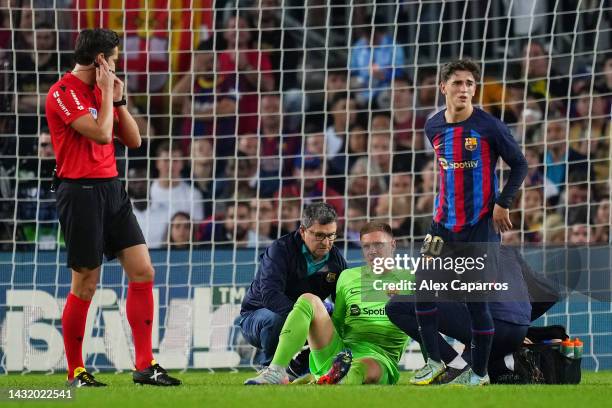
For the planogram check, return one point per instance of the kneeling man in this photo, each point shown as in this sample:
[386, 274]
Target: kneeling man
[358, 344]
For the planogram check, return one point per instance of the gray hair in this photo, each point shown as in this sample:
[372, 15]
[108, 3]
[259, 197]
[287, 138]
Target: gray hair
[322, 213]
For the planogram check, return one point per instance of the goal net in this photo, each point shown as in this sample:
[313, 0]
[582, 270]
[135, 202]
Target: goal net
[251, 109]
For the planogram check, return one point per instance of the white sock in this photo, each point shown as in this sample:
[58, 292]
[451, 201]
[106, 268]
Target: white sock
[458, 363]
[509, 360]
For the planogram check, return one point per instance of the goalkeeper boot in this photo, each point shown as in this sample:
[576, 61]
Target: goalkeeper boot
[450, 374]
[428, 373]
[340, 368]
[154, 375]
[83, 379]
[470, 379]
[269, 375]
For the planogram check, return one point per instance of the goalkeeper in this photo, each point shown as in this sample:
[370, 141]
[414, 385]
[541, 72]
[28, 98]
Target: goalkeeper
[358, 344]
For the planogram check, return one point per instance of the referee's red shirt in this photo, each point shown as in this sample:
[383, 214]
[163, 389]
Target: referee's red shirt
[77, 156]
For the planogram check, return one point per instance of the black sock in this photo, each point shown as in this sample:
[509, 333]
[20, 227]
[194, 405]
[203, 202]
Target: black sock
[482, 336]
[427, 316]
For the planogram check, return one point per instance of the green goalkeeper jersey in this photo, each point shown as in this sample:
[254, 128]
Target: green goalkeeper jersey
[360, 318]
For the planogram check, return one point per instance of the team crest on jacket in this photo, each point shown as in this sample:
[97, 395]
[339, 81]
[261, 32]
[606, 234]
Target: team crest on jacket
[331, 277]
[471, 143]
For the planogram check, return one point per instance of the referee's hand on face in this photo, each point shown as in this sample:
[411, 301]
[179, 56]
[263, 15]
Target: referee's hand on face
[104, 77]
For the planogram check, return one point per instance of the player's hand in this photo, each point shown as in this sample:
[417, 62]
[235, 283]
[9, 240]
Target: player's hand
[104, 77]
[117, 90]
[501, 219]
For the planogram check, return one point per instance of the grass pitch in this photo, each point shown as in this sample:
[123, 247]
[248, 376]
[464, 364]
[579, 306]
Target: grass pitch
[223, 389]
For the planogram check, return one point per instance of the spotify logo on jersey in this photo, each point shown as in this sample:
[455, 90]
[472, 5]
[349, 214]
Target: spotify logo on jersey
[355, 310]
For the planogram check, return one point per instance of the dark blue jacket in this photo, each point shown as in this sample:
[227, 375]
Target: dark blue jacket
[513, 306]
[282, 276]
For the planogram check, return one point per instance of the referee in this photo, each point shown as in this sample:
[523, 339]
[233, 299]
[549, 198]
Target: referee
[85, 110]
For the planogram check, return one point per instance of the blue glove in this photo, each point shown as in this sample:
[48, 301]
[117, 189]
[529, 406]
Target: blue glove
[329, 306]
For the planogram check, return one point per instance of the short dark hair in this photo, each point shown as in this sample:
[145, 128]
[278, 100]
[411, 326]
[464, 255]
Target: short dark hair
[322, 213]
[459, 65]
[236, 204]
[206, 45]
[165, 147]
[375, 226]
[92, 42]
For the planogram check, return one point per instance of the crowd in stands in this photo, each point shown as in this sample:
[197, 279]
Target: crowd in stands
[237, 145]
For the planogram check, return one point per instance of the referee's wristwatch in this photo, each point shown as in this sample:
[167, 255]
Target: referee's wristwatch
[122, 102]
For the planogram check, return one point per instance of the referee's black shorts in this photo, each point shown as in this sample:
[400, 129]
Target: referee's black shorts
[96, 219]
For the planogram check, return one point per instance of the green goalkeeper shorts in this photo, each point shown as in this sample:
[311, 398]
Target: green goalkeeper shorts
[321, 360]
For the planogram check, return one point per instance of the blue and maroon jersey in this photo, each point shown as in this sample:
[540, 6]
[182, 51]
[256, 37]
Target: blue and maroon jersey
[467, 154]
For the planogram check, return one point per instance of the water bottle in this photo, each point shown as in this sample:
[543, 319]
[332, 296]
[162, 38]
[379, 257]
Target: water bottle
[578, 348]
[567, 348]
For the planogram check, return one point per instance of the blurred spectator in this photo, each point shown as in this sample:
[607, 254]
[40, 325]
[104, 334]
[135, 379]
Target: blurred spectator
[208, 102]
[169, 194]
[512, 108]
[396, 206]
[366, 181]
[407, 128]
[602, 221]
[264, 224]
[579, 234]
[290, 205]
[315, 144]
[590, 132]
[180, 234]
[558, 154]
[554, 229]
[241, 174]
[535, 176]
[577, 198]
[277, 150]
[203, 171]
[529, 127]
[357, 147]
[343, 111]
[425, 195]
[252, 68]
[542, 79]
[604, 80]
[335, 83]
[310, 171]
[356, 218]
[380, 148]
[374, 60]
[38, 66]
[533, 213]
[36, 212]
[138, 191]
[232, 231]
[427, 91]
[277, 40]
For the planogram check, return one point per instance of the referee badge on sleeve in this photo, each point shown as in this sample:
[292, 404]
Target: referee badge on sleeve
[471, 143]
[94, 112]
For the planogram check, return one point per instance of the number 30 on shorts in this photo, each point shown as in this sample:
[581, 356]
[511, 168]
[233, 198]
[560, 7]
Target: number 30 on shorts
[432, 245]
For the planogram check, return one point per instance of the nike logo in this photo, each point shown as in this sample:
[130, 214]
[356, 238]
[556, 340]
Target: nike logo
[354, 292]
[437, 146]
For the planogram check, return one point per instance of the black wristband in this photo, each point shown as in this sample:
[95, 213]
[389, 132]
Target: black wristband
[122, 102]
